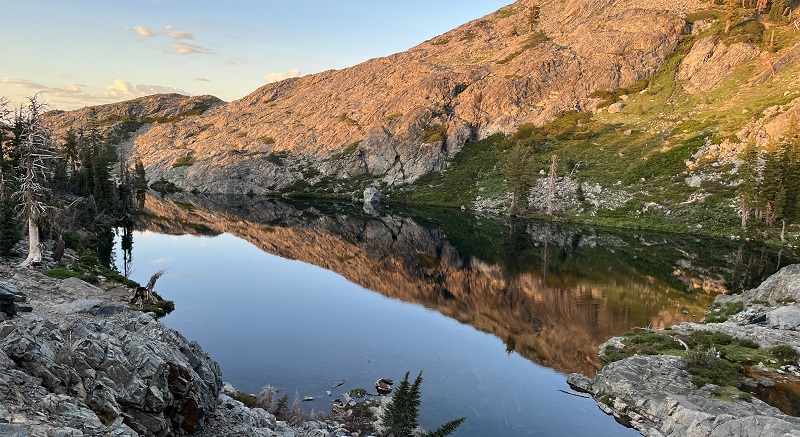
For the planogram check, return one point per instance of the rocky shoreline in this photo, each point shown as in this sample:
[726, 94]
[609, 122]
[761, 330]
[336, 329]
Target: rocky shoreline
[656, 395]
[75, 361]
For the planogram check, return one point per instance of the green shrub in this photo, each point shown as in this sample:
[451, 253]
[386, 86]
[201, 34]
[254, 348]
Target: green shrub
[347, 151]
[708, 14]
[510, 57]
[61, 273]
[535, 39]
[246, 398]
[434, 133]
[344, 118]
[184, 161]
[669, 163]
[783, 352]
[724, 312]
[358, 392]
[164, 186]
[161, 308]
[749, 31]
[277, 158]
[707, 368]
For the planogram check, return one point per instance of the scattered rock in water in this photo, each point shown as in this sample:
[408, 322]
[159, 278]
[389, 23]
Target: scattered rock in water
[384, 386]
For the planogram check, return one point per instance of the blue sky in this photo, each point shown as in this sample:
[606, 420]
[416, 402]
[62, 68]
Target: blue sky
[88, 52]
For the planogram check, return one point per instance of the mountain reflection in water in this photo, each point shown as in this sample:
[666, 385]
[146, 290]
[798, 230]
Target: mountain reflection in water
[551, 293]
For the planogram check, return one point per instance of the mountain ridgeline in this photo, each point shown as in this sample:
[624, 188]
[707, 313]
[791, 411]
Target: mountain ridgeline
[642, 109]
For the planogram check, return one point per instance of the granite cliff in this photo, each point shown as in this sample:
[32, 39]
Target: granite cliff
[399, 117]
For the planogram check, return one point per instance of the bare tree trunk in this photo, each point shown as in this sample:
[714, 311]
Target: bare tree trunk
[745, 214]
[34, 245]
[783, 232]
[551, 184]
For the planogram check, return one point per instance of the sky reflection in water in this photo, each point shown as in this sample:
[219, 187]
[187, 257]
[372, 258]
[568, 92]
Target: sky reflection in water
[270, 320]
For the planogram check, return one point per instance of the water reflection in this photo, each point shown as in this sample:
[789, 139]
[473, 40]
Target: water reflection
[551, 293]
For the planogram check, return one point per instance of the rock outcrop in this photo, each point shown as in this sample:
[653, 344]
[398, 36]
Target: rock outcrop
[88, 367]
[75, 361]
[12, 301]
[655, 393]
[711, 61]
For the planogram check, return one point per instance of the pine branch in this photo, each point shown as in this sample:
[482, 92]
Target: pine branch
[447, 429]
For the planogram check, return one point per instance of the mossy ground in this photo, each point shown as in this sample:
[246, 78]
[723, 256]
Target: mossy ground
[712, 357]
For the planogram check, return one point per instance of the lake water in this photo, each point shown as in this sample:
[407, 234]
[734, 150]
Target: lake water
[495, 312]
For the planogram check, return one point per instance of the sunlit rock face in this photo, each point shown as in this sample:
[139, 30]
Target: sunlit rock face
[401, 116]
[552, 294]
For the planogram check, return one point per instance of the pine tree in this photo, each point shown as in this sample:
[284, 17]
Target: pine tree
[400, 419]
[9, 225]
[516, 173]
[141, 178]
[791, 182]
[749, 186]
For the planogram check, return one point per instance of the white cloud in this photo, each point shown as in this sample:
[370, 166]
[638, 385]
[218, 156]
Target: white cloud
[277, 77]
[143, 31]
[184, 48]
[123, 89]
[73, 95]
[202, 79]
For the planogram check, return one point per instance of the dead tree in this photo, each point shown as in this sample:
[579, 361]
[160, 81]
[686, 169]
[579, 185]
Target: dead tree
[35, 150]
[143, 296]
[551, 184]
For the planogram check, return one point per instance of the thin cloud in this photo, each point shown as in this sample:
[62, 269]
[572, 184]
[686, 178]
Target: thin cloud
[277, 77]
[69, 89]
[184, 48]
[202, 79]
[180, 35]
[143, 31]
[176, 34]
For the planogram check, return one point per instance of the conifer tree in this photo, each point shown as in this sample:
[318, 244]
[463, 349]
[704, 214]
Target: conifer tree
[516, 173]
[748, 188]
[9, 226]
[141, 178]
[400, 419]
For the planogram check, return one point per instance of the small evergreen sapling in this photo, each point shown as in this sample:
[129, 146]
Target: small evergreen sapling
[400, 419]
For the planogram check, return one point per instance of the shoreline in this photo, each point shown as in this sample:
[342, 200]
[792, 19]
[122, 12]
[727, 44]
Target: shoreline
[661, 394]
[76, 361]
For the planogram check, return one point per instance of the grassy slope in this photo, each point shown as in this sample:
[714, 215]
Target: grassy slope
[644, 147]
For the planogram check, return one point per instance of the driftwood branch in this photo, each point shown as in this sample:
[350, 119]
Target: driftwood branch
[143, 296]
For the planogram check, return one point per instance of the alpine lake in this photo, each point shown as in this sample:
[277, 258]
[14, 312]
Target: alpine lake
[494, 311]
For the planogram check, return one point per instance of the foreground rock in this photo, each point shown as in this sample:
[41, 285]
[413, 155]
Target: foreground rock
[101, 368]
[655, 394]
[82, 364]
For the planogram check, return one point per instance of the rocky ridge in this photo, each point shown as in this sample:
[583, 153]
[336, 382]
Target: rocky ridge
[80, 363]
[398, 117]
[655, 394]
